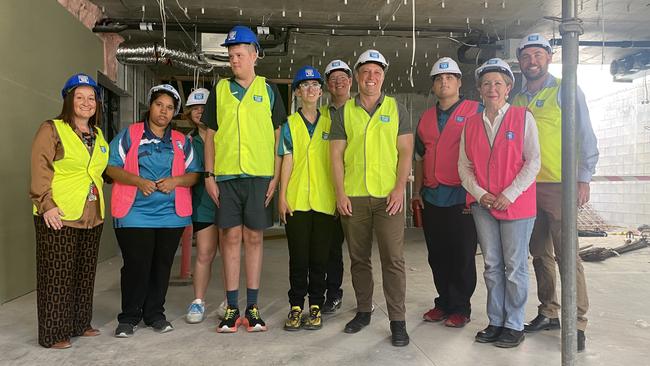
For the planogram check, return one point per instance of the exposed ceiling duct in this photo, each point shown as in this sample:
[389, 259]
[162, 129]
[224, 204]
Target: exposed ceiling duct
[631, 67]
[159, 55]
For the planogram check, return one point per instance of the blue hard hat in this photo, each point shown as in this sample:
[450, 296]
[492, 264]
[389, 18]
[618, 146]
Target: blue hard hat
[77, 80]
[306, 73]
[241, 34]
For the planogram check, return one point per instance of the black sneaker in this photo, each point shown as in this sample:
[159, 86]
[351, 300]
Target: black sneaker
[125, 330]
[332, 305]
[162, 326]
[230, 322]
[253, 321]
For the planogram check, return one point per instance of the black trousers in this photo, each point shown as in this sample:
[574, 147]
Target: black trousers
[335, 262]
[309, 235]
[450, 235]
[148, 255]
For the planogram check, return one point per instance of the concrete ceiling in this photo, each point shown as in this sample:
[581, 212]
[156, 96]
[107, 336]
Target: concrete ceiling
[324, 30]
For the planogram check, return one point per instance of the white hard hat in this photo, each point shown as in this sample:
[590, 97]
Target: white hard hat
[494, 65]
[371, 56]
[198, 96]
[445, 65]
[335, 65]
[534, 40]
[170, 90]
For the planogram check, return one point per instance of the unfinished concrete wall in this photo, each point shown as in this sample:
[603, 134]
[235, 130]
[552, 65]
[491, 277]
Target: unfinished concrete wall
[622, 125]
[43, 44]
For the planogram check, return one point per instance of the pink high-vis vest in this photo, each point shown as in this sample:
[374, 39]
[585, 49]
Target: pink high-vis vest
[496, 167]
[440, 160]
[123, 195]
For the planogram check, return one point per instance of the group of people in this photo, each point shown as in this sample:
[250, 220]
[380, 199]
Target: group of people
[341, 171]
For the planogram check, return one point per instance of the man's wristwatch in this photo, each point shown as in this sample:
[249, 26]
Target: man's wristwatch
[208, 174]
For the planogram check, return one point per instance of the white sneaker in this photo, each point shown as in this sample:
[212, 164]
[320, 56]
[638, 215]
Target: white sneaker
[196, 312]
[221, 310]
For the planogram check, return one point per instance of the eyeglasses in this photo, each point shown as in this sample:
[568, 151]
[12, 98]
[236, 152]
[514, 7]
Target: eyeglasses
[338, 79]
[307, 85]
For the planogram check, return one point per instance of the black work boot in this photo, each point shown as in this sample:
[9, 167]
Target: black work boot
[358, 322]
[399, 337]
[541, 323]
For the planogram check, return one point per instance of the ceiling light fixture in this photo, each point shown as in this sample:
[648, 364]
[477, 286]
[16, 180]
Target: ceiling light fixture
[442, 4]
[299, 13]
[284, 13]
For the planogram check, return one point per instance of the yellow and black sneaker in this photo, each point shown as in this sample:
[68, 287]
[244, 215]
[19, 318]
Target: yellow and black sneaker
[253, 321]
[313, 321]
[231, 321]
[294, 319]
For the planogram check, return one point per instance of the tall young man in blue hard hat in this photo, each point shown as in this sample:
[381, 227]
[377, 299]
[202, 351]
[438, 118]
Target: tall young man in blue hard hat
[541, 94]
[243, 115]
[372, 149]
[338, 77]
[448, 227]
[306, 201]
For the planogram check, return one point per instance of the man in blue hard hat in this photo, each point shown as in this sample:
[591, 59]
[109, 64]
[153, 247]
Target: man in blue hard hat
[243, 116]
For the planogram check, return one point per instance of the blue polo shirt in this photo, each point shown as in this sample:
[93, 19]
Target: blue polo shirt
[155, 157]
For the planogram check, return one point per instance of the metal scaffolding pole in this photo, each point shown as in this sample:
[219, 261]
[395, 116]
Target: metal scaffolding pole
[570, 30]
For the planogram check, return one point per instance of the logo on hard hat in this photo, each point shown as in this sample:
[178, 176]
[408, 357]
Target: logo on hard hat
[84, 79]
[373, 54]
[232, 35]
[493, 61]
[534, 37]
[444, 65]
[198, 96]
[309, 72]
[510, 135]
[336, 63]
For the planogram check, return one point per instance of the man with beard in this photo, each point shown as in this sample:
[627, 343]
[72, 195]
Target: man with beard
[541, 94]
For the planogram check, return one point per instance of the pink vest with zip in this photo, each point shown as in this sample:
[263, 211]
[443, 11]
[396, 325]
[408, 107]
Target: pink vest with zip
[123, 195]
[440, 160]
[496, 167]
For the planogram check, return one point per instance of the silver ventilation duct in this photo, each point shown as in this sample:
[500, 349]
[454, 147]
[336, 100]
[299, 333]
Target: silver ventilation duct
[159, 55]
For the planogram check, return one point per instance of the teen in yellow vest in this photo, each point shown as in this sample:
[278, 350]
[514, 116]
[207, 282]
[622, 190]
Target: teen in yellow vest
[307, 201]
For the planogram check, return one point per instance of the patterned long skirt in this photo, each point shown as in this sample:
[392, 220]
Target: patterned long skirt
[66, 262]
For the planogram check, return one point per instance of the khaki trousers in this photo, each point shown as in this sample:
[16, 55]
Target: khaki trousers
[546, 250]
[369, 216]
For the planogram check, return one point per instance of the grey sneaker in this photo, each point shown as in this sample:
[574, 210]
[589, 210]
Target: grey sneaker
[162, 326]
[125, 330]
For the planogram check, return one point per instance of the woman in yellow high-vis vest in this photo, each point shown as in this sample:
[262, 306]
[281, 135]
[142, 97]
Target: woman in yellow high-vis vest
[69, 155]
[307, 202]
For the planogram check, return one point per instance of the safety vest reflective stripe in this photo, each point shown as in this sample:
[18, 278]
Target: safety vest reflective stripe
[496, 166]
[310, 185]
[74, 173]
[123, 195]
[371, 155]
[245, 140]
[548, 117]
[440, 160]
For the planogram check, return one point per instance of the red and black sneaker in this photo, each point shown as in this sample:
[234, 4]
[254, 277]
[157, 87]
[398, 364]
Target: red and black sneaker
[231, 320]
[435, 315]
[456, 321]
[253, 321]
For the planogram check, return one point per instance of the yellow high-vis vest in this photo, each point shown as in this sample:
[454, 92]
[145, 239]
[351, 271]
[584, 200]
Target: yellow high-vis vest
[548, 117]
[74, 173]
[310, 185]
[245, 140]
[371, 154]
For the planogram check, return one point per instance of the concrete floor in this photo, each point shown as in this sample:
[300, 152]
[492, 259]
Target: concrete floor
[618, 333]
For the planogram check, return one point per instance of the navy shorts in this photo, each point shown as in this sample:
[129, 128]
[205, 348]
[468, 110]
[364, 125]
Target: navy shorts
[242, 203]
